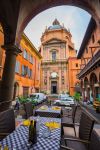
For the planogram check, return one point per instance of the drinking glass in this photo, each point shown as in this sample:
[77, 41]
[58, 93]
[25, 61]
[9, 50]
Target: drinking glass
[46, 132]
[38, 124]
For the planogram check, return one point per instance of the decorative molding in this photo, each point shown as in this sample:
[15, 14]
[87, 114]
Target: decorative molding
[12, 49]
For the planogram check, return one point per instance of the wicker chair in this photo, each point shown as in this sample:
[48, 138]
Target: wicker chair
[95, 139]
[69, 121]
[85, 129]
[28, 109]
[7, 123]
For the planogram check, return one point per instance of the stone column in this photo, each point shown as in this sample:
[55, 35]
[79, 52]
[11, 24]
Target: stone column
[7, 83]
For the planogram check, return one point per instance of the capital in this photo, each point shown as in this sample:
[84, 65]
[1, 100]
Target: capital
[12, 49]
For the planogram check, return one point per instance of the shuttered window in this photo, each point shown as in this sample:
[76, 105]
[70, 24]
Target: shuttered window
[17, 67]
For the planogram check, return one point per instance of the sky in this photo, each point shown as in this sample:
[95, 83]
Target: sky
[73, 18]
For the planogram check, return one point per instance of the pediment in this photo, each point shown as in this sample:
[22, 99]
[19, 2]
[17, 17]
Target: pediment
[54, 41]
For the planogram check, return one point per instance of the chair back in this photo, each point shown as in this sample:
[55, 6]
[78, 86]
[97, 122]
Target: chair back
[28, 109]
[95, 140]
[86, 126]
[7, 121]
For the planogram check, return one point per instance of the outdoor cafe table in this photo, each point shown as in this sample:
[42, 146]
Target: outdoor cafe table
[18, 139]
[49, 112]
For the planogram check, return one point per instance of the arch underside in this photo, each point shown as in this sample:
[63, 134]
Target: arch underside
[43, 5]
[15, 15]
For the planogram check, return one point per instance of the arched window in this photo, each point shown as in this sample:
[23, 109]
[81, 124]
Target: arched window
[17, 67]
[54, 55]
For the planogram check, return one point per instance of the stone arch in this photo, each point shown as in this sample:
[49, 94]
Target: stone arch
[30, 10]
[93, 81]
[93, 78]
[86, 82]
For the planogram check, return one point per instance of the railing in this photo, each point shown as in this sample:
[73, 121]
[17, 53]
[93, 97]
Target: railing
[92, 62]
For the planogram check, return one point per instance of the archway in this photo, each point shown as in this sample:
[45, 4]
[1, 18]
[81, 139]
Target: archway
[53, 87]
[15, 15]
[86, 89]
[16, 90]
[30, 10]
[94, 89]
[54, 83]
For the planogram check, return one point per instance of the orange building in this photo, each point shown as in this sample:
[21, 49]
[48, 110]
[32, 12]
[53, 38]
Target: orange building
[59, 63]
[89, 54]
[27, 77]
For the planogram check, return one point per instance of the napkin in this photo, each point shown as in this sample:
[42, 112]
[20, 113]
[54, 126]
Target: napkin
[27, 122]
[56, 108]
[43, 108]
[52, 125]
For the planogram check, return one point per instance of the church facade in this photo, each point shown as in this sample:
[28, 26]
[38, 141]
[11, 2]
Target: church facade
[59, 63]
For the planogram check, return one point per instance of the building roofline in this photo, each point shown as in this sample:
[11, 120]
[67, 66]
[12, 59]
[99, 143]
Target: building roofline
[37, 52]
[88, 33]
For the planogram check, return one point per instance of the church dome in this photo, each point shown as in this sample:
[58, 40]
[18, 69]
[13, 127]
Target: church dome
[55, 25]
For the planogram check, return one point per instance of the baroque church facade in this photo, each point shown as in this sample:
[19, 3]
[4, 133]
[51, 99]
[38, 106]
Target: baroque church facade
[59, 63]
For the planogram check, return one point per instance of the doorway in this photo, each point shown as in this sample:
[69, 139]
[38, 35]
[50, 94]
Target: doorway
[16, 90]
[53, 87]
[25, 91]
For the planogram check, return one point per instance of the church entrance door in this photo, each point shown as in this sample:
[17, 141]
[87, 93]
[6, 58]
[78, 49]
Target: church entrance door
[53, 87]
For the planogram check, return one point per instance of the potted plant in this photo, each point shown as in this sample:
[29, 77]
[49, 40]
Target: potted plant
[77, 96]
[22, 100]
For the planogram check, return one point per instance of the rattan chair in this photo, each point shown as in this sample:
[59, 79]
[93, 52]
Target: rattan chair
[7, 123]
[95, 139]
[83, 140]
[69, 121]
[28, 109]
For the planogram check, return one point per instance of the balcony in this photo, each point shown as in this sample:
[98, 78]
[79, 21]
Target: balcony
[93, 62]
[54, 61]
